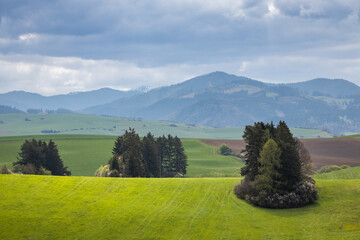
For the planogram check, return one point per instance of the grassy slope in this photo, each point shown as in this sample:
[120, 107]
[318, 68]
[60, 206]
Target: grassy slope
[348, 173]
[84, 154]
[43, 207]
[15, 125]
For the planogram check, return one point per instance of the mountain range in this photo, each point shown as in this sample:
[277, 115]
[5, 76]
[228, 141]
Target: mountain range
[218, 99]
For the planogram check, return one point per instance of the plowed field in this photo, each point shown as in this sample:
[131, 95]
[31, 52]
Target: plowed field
[323, 151]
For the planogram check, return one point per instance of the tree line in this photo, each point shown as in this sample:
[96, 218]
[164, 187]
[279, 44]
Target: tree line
[149, 157]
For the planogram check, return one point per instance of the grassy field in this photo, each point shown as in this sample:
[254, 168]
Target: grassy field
[348, 173]
[83, 154]
[29, 124]
[46, 207]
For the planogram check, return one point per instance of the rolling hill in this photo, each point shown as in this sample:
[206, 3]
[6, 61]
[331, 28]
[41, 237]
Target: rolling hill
[70, 123]
[83, 154]
[46, 207]
[219, 99]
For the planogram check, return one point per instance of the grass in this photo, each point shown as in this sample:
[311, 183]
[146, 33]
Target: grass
[30, 124]
[83, 154]
[46, 207]
[348, 173]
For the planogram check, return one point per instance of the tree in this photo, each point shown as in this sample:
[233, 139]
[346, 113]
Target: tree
[225, 150]
[180, 157]
[268, 180]
[150, 154]
[275, 167]
[290, 161]
[132, 156]
[305, 159]
[37, 157]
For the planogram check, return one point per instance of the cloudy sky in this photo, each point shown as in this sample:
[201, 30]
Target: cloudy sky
[53, 47]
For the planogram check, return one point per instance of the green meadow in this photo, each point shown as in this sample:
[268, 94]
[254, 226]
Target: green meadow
[71, 123]
[348, 173]
[48, 207]
[83, 154]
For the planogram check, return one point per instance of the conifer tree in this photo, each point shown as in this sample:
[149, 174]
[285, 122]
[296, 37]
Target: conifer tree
[150, 154]
[268, 180]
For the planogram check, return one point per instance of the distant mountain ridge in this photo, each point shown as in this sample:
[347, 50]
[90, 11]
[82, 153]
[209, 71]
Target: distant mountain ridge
[219, 99]
[72, 101]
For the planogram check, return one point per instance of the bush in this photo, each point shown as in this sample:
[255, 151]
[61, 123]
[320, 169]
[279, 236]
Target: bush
[304, 193]
[225, 150]
[4, 170]
[331, 168]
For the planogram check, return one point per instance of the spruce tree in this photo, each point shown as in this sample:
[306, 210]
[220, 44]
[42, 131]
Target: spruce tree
[132, 156]
[180, 157]
[150, 154]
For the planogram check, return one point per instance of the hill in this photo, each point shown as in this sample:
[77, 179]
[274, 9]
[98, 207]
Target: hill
[83, 154]
[68, 123]
[219, 99]
[348, 173]
[108, 208]
[338, 88]
[331, 151]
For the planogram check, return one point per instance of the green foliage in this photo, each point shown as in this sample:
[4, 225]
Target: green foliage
[330, 168]
[268, 180]
[149, 208]
[85, 153]
[225, 150]
[37, 157]
[150, 154]
[275, 174]
[4, 169]
[132, 157]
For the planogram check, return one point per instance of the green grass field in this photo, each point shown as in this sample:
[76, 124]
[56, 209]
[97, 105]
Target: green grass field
[29, 124]
[348, 173]
[47, 207]
[83, 154]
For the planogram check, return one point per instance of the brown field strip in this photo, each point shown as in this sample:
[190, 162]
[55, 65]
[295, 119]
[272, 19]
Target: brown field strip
[323, 151]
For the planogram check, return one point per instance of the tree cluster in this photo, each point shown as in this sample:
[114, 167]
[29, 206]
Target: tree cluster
[277, 168]
[40, 158]
[149, 157]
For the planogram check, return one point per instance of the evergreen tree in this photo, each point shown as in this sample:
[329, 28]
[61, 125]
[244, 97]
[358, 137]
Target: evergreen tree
[268, 180]
[119, 147]
[150, 154]
[253, 136]
[290, 161]
[37, 157]
[132, 156]
[53, 161]
[161, 145]
[180, 157]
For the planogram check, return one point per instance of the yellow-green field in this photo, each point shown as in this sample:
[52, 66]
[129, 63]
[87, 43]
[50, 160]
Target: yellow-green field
[47, 207]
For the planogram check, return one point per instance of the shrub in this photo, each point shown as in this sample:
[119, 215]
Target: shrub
[4, 170]
[304, 193]
[225, 150]
[329, 168]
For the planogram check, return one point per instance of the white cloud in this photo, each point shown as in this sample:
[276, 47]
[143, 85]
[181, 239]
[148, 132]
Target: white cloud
[28, 36]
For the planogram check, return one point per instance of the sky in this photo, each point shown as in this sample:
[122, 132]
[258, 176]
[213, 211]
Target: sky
[61, 46]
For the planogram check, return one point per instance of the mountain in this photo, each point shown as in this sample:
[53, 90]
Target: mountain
[219, 99]
[72, 101]
[327, 87]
